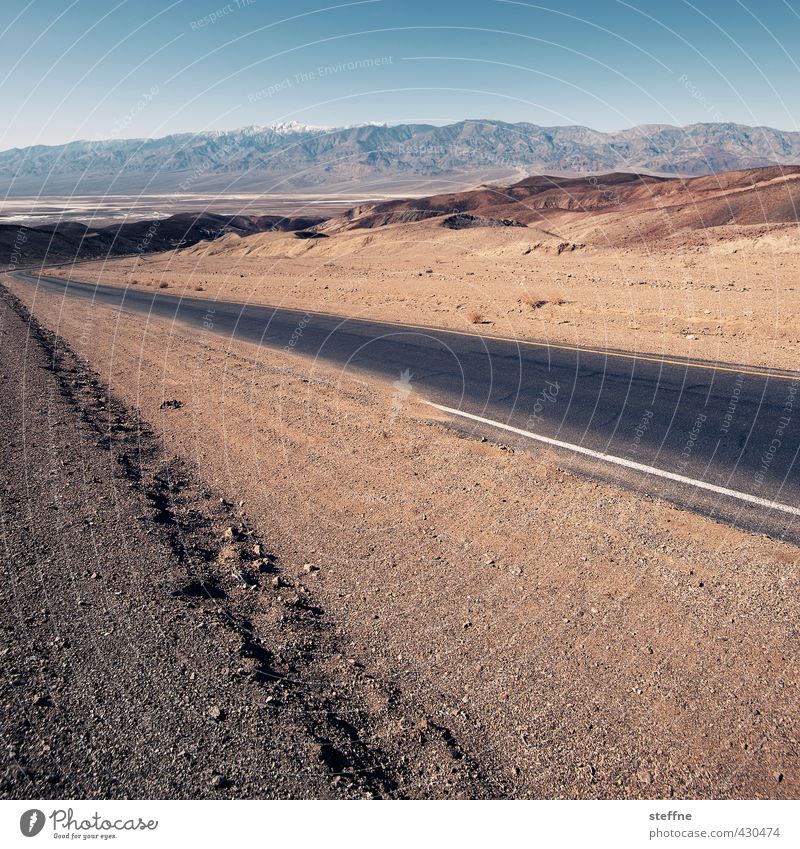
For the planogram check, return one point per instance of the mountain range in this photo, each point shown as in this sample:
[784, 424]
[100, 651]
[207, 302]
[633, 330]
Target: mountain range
[379, 158]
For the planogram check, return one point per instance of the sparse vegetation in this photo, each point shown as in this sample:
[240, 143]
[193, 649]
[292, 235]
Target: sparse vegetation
[532, 301]
[535, 302]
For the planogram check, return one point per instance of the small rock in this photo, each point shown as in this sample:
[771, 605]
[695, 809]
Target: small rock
[216, 713]
[231, 533]
[228, 552]
[243, 578]
[258, 550]
[42, 700]
[779, 777]
[308, 568]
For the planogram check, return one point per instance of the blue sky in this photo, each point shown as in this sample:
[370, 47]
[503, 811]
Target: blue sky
[72, 69]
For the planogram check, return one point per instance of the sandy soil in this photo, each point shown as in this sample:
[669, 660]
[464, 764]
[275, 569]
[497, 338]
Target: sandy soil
[730, 294]
[574, 639]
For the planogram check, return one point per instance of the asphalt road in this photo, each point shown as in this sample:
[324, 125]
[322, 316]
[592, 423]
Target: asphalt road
[735, 428]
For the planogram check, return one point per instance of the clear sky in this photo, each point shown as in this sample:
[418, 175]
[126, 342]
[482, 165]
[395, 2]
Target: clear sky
[72, 69]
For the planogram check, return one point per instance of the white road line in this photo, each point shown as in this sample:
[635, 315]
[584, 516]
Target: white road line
[621, 461]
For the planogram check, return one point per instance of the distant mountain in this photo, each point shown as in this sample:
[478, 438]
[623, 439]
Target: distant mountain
[292, 157]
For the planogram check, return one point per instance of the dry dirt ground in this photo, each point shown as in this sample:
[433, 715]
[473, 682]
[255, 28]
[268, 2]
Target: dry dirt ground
[562, 637]
[728, 293]
[153, 646]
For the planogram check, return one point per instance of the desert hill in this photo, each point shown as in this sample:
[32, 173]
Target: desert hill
[71, 240]
[551, 212]
[607, 209]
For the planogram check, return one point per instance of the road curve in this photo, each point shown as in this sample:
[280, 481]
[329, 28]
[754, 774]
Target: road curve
[734, 429]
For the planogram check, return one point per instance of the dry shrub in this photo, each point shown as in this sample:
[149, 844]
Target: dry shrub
[558, 301]
[531, 300]
[199, 288]
[474, 317]
[163, 285]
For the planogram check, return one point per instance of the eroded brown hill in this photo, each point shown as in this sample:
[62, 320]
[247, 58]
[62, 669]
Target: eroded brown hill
[629, 203]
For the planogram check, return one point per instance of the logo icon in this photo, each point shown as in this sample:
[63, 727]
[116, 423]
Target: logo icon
[31, 822]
